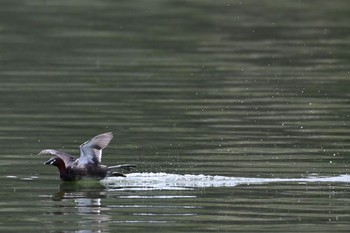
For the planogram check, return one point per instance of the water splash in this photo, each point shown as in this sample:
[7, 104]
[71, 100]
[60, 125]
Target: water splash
[165, 181]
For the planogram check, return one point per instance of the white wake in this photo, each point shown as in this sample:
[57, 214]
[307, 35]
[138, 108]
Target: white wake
[165, 181]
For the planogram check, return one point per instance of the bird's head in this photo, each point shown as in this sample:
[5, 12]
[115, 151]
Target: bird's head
[57, 162]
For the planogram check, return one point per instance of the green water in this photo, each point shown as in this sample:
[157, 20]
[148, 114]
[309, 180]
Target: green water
[231, 88]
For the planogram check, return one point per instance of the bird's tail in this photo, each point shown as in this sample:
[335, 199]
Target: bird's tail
[127, 167]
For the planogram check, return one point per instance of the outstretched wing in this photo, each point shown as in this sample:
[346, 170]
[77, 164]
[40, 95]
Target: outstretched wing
[91, 151]
[67, 158]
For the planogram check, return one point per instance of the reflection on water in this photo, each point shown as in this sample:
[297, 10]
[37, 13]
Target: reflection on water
[85, 201]
[265, 201]
[88, 200]
[85, 189]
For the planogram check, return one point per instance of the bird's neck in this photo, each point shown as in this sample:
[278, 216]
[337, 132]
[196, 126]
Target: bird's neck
[61, 167]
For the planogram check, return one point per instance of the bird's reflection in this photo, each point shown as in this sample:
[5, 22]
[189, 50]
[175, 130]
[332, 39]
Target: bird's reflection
[73, 190]
[87, 203]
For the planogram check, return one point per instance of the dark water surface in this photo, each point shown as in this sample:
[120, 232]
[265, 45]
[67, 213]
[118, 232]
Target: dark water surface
[253, 89]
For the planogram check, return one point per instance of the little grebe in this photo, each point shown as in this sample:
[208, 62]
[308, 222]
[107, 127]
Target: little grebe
[88, 164]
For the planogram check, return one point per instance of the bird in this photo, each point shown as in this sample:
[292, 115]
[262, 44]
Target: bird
[88, 165]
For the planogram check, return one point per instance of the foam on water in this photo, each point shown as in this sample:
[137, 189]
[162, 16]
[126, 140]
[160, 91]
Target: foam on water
[142, 181]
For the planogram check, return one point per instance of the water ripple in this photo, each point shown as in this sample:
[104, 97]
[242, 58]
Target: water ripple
[165, 181]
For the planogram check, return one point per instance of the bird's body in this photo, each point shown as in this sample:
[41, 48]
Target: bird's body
[88, 164]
